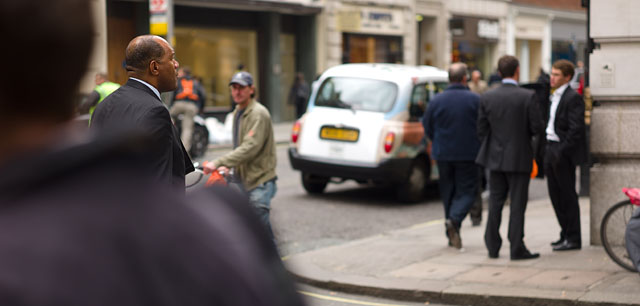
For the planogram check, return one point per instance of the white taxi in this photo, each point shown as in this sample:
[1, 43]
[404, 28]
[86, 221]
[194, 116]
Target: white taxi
[363, 122]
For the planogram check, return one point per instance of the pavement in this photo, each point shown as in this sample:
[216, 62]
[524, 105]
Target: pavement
[415, 264]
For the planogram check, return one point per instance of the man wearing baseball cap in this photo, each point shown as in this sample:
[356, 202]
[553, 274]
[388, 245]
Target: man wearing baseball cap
[254, 152]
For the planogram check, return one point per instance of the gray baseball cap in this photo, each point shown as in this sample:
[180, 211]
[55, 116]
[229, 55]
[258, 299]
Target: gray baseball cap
[242, 78]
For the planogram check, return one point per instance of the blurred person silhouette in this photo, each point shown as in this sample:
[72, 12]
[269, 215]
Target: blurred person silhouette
[188, 101]
[477, 84]
[298, 94]
[82, 222]
[103, 88]
[151, 67]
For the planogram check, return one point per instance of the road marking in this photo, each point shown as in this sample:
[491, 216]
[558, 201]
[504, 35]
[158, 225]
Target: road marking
[430, 223]
[343, 300]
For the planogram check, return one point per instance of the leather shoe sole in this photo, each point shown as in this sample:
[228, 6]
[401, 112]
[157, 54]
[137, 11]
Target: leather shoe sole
[524, 256]
[567, 246]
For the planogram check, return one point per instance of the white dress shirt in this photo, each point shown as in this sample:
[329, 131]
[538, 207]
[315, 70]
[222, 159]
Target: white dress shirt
[148, 85]
[555, 100]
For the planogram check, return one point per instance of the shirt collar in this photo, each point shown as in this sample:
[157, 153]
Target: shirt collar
[148, 85]
[560, 90]
[509, 81]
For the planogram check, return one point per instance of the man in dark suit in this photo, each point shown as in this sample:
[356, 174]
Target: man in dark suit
[566, 148]
[151, 66]
[507, 119]
[450, 123]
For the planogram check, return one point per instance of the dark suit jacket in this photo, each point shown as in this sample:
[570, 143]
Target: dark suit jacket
[135, 106]
[507, 120]
[569, 126]
[450, 123]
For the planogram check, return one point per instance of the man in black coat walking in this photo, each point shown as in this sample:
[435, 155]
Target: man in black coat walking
[151, 66]
[566, 148]
[508, 118]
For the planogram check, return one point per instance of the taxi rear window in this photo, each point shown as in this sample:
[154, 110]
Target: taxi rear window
[357, 94]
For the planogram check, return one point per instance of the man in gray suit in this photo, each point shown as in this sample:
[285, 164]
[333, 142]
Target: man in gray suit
[507, 120]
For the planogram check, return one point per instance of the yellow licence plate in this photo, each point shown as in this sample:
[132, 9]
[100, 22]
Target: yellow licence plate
[339, 134]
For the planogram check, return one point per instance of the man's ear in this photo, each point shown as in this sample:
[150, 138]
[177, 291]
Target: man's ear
[153, 68]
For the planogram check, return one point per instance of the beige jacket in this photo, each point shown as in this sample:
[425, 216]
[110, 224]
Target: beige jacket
[254, 159]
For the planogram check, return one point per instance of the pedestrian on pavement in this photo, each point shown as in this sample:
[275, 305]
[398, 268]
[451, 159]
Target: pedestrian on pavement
[566, 148]
[188, 101]
[477, 84]
[508, 118]
[103, 88]
[450, 123]
[254, 152]
[137, 105]
[298, 94]
[82, 222]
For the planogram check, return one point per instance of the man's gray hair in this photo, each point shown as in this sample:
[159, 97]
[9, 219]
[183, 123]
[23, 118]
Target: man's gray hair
[457, 72]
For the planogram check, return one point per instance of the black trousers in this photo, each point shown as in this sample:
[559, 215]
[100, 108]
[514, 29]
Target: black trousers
[516, 185]
[561, 183]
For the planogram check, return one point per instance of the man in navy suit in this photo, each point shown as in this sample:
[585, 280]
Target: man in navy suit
[151, 66]
[566, 148]
[450, 123]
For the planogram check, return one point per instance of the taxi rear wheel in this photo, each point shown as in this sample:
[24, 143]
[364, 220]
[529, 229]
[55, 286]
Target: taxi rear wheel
[412, 190]
[314, 184]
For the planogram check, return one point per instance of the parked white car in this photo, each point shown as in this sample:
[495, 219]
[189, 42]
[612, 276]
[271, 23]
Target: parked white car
[363, 122]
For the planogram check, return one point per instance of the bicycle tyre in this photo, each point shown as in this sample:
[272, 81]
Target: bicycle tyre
[612, 233]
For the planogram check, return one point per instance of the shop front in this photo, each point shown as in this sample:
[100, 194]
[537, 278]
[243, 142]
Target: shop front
[473, 42]
[216, 39]
[371, 34]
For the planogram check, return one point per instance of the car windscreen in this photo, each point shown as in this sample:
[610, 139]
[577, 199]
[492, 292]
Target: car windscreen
[357, 94]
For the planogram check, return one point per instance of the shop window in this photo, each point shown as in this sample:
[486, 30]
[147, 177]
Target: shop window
[214, 55]
[359, 48]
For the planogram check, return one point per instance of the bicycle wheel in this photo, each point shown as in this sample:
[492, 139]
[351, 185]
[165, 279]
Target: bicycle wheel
[612, 231]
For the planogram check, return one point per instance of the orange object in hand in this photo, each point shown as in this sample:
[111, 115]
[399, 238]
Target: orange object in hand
[534, 170]
[216, 179]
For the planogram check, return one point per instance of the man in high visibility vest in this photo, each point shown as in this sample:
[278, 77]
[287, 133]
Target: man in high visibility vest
[102, 90]
[188, 100]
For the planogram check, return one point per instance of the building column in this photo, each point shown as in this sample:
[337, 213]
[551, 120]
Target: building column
[524, 61]
[546, 44]
[272, 70]
[511, 32]
[306, 45]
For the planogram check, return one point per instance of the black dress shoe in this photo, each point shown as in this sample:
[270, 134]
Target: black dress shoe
[525, 255]
[557, 242]
[567, 245]
[493, 255]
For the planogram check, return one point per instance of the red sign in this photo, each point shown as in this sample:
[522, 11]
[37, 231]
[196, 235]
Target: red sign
[157, 6]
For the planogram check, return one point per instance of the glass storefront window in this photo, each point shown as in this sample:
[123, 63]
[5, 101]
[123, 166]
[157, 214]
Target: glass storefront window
[358, 48]
[214, 56]
[476, 55]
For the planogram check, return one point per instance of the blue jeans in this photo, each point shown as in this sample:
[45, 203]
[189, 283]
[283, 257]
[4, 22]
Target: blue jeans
[458, 188]
[260, 198]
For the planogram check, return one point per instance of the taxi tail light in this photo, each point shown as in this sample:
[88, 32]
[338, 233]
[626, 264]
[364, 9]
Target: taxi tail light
[388, 141]
[295, 132]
